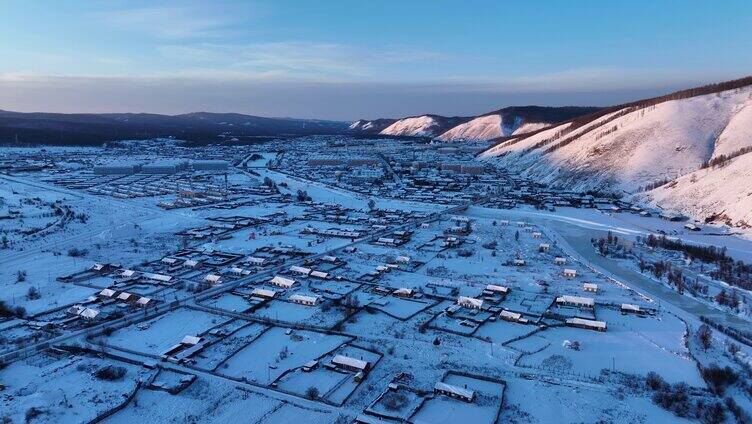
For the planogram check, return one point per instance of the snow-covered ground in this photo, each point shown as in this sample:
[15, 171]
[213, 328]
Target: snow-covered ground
[387, 318]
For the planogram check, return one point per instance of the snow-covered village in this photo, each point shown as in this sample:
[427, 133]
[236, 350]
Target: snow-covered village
[460, 258]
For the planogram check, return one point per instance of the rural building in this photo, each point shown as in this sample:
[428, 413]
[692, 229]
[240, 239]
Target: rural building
[577, 301]
[569, 273]
[403, 292]
[191, 263]
[587, 324]
[590, 287]
[256, 261]
[212, 278]
[263, 293]
[300, 270]
[469, 302]
[629, 308]
[320, 274]
[89, 314]
[125, 297]
[512, 316]
[492, 288]
[127, 273]
[449, 390]
[282, 282]
[143, 302]
[304, 300]
[107, 293]
[351, 364]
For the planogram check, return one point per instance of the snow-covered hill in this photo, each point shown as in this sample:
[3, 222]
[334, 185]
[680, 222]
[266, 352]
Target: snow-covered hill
[481, 128]
[513, 120]
[722, 194]
[638, 146]
[422, 126]
[370, 127]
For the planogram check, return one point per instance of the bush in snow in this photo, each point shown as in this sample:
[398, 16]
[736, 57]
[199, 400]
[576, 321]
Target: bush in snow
[719, 378]
[655, 382]
[110, 373]
[32, 413]
[76, 252]
[33, 293]
[704, 336]
[312, 393]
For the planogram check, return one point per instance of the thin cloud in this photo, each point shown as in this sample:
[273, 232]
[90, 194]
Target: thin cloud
[294, 59]
[169, 22]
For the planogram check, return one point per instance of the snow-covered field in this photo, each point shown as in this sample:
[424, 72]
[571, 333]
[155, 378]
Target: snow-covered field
[234, 311]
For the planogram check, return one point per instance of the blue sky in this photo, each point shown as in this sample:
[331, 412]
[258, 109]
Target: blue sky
[349, 59]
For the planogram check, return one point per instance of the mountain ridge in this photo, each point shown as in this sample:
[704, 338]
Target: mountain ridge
[641, 148]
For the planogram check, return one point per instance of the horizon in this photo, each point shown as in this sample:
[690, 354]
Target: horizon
[352, 61]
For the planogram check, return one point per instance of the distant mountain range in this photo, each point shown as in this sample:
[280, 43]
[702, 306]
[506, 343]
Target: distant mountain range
[500, 123]
[689, 151]
[94, 129]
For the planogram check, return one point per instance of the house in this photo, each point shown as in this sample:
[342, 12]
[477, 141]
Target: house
[310, 365]
[403, 292]
[351, 364]
[169, 261]
[107, 293]
[127, 273]
[97, 267]
[143, 302]
[320, 274]
[569, 273]
[402, 259]
[190, 340]
[239, 271]
[282, 282]
[497, 289]
[300, 270]
[191, 263]
[263, 293]
[75, 310]
[536, 234]
[330, 259]
[256, 261]
[577, 301]
[590, 287]
[469, 302]
[158, 277]
[125, 297]
[559, 260]
[692, 227]
[304, 300]
[449, 390]
[544, 247]
[512, 316]
[212, 279]
[628, 308]
[587, 324]
[89, 314]
[386, 241]
[518, 262]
